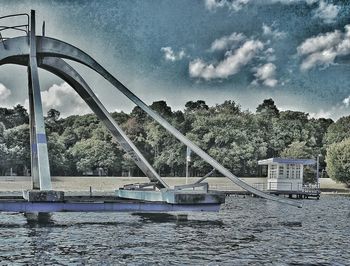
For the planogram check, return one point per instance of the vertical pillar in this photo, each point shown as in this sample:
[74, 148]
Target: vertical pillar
[33, 146]
[40, 158]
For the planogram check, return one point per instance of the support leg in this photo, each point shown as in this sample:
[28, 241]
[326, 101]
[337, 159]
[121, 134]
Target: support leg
[39, 136]
[33, 146]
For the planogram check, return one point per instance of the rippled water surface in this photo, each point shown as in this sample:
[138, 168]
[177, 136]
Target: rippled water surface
[247, 231]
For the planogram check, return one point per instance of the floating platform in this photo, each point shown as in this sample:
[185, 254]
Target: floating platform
[56, 201]
[173, 196]
[100, 204]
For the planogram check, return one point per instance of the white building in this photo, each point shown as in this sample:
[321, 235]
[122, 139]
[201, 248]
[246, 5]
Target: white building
[284, 173]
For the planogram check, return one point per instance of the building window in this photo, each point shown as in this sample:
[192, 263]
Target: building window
[297, 171]
[281, 171]
[293, 171]
[273, 171]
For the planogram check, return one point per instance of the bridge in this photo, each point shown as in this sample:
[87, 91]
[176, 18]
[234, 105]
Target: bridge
[39, 51]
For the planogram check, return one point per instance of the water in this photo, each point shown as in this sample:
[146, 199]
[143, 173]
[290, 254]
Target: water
[247, 231]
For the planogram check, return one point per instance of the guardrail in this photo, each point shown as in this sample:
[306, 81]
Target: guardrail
[24, 27]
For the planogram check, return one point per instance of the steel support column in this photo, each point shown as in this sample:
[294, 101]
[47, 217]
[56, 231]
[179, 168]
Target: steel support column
[39, 154]
[32, 131]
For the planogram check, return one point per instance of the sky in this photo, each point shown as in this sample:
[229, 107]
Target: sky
[294, 51]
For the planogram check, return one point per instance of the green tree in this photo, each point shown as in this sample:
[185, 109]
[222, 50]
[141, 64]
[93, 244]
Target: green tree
[338, 131]
[52, 123]
[338, 161]
[268, 108]
[59, 165]
[298, 150]
[91, 154]
[162, 108]
[195, 106]
[17, 143]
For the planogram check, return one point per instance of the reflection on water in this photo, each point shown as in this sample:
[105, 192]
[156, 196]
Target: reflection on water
[246, 231]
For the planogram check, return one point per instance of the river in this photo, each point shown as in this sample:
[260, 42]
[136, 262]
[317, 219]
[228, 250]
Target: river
[246, 231]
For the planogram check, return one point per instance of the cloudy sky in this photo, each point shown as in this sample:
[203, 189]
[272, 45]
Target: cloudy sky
[294, 51]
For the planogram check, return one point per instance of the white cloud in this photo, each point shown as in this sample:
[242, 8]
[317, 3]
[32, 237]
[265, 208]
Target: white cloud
[322, 114]
[231, 65]
[269, 31]
[266, 74]
[327, 12]
[235, 5]
[170, 55]
[335, 112]
[4, 92]
[226, 42]
[346, 101]
[323, 49]
[64, 99]
[320, 42]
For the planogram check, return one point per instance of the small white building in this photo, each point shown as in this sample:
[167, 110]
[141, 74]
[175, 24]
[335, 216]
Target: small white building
[285, 173]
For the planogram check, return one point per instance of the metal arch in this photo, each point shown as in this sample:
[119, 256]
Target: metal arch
[56, 48]
[63, 70]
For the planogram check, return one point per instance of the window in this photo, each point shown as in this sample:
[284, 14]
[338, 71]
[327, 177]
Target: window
[297, 171]
[273, 171]
[281, 171]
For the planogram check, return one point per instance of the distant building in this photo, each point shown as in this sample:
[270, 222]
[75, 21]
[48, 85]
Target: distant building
[285, 173]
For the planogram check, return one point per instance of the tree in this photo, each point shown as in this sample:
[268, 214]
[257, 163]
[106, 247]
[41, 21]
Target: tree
[91, 154]
[51, 121]
[17, 143]
[268, 108]
[338, 161]
[297, 150]
[162, 108]
[195, 106]
[20, 115]
[53, 115]
[69, 138]
[338, 131]
[59, 164]
[228, 107]
[14, 117]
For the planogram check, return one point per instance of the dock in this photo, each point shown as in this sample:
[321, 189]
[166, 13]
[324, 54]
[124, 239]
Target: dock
[292, 194]
[132, 198]
[98, 204]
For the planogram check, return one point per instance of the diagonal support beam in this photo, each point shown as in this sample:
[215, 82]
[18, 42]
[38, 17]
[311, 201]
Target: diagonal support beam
[63, 70]
[39, 153]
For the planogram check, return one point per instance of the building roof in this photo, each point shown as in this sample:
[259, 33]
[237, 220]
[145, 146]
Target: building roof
[286, 161]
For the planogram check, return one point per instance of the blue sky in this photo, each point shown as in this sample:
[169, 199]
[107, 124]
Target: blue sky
[294, 51]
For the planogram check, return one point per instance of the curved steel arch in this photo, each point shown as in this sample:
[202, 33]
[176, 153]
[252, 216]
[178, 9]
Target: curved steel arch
[63, 70]
[56, 48]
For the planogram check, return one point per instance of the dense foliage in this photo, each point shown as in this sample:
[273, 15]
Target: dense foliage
[338, 161]
[236, 138]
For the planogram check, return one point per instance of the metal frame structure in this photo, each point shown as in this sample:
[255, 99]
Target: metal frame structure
[47, 55]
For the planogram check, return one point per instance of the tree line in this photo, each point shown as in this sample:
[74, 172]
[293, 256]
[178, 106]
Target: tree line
[80, 144]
